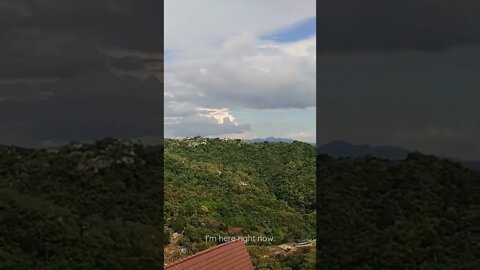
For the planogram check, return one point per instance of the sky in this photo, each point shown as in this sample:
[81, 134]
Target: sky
[80, 71]
[240, 69]
[401, 73]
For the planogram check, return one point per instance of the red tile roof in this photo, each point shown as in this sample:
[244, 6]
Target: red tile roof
[231, 255]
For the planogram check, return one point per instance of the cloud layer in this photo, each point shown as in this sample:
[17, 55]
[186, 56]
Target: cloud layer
[230, 67]
[80, 70]
[383, 26]
[422, 101]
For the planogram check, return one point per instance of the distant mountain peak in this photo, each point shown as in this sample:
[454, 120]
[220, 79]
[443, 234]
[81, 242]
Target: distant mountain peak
[342, 148]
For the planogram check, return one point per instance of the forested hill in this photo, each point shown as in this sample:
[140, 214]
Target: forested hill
[232, 187]
[99, 205]
[94, 206]
[421, 212]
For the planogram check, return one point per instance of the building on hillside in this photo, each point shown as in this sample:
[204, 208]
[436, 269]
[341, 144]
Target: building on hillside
[231, 255]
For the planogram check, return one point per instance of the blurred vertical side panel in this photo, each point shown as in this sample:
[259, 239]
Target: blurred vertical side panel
[81, 128]
[398, 141]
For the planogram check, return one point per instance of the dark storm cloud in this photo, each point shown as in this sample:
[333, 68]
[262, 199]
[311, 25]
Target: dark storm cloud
[82, 108]
[137, 63]
[401, 73]
[129, 24]
[33, 54]
[417, 100]
[53, 38]
[379, 25]
[59, 59]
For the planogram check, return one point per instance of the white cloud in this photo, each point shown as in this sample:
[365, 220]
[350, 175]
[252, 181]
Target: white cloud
[185, 119]
[201, 125]
[193, 25]
[257, 74]
[221, 115]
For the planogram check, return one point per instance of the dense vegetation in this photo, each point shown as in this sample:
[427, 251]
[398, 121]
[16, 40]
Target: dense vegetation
[99, 206]
[231, 187]
[298, 259]
[418, 213]
[96, 206]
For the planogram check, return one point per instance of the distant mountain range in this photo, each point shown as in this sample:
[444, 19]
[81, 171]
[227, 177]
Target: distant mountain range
[270, 139]
[341, 148]
[345, 149]
[275, 140]
[472, 164]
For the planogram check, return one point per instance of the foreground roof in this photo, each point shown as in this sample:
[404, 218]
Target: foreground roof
[231, 255]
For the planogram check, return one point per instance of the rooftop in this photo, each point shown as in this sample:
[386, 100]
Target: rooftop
[231, 255]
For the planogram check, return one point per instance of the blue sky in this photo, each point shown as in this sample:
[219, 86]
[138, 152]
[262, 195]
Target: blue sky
[231, 75]
[169, 55]
[298, 31]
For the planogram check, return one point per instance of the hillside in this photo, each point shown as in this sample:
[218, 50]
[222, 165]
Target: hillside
[231, 187]
[420, 212]
[343, 149]
[95, 206]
